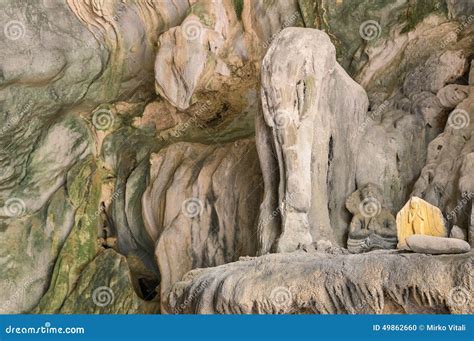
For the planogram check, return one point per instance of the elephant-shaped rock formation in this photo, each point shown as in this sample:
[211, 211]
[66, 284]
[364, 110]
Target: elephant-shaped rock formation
[307, 141]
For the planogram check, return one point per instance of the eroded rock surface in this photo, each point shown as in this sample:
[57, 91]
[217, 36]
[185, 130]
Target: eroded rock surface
[458, 233]
[59, 61]
[105, 292]
[299, 283]
[90, 89]
[436, 245]
[471, 227]
[446, 180]
[398, 130]
[201, 206]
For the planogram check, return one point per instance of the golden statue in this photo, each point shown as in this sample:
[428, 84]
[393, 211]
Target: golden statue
[419, 217]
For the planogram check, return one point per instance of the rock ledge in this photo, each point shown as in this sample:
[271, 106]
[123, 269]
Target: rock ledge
[378, 282]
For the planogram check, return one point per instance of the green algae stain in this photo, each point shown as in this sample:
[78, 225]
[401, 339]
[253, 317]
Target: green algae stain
[307, 11]
[416, 11]
[239, 7]
[81, 245]
[202, 13]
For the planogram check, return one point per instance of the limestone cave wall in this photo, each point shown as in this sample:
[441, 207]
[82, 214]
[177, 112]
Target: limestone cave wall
[141, 140]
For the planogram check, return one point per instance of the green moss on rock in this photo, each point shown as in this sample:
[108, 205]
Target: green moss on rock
[418, 10]
[202, 13]
[239, 7]
[81, 245]
[307, 10]
[105, 287]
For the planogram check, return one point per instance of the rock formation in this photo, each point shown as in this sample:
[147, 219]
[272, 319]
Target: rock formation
[99, 292]
[373, 225]
[436, 245]
[419, 217]
[299, 283]
[307, 139]
[458, 233]
[218, 189]
[121, 119]
[471, 227]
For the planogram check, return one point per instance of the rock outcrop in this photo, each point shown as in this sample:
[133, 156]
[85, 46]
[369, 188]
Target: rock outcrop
[306, 137]
[436, 245]
[201, 55]
[446, 180]
[301, 283]
[400, 127]
[60, 60]
[92, 90]
[105, 292]
[458, 233]
[471, 227]
[201, 206]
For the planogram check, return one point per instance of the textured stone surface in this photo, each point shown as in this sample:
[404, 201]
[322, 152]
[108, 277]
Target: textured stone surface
[471, 227]
[201, 206]
[105, 292]
[458, 233]
[419, 217]
[398, 129]
[206, 68]
[460, 8]
[446, 180]
[184, 51]
[89, 89]
[402, 76]
[471, 74]
[306, 139]
[58, 61]
[439, 70]
[436, 245]
[81, 246]
[42, 233]
[452, 94]
[298, 283]
[386, 158]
